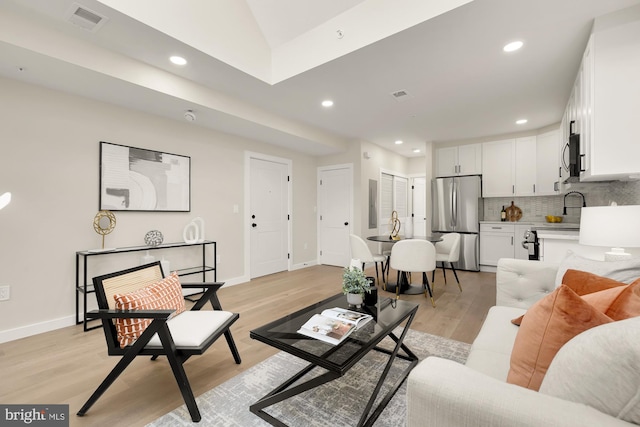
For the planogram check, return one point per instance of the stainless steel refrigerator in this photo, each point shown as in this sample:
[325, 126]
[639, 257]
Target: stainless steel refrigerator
[456, 206]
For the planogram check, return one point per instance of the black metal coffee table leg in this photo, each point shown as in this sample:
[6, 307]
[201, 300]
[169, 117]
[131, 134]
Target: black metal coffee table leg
[366, 420]
[284, 391]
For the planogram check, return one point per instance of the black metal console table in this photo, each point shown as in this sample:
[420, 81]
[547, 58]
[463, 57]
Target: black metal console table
[85, 288]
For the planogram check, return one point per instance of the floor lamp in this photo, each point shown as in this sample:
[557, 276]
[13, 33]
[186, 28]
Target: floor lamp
[615, 226]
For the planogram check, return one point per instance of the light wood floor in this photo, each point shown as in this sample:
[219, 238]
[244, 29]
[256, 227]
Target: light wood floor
[66, 365]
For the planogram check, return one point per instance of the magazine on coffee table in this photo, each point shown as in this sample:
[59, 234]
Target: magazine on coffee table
[334, 325]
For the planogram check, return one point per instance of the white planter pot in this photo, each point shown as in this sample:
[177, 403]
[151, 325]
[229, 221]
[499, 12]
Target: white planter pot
[355, 299]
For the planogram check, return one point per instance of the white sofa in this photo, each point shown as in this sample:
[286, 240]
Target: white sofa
[444, 393]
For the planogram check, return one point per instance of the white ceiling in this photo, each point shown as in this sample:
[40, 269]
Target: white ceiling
[460, 83]
[283, 20]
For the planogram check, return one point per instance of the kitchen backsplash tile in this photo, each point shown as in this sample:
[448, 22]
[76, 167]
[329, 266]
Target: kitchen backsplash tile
[595, 194]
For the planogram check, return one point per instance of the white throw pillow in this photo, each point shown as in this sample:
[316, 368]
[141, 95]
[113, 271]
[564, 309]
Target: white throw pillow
[599, 368]
[622, 271]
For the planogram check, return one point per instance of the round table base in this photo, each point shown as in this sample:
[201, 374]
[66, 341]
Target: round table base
[413, 289]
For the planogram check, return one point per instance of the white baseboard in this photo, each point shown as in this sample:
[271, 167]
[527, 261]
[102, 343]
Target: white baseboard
[235, 281]
[51, 325]
[36, 328]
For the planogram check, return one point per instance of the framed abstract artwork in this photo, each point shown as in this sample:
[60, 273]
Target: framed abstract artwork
[137, 179]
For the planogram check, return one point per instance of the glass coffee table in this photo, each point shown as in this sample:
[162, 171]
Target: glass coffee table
[336, 360]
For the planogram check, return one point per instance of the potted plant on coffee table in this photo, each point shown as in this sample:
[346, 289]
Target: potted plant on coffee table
[354, 285]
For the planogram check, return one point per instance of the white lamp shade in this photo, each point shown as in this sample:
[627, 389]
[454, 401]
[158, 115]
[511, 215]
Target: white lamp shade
[5, 199]
[612, 226]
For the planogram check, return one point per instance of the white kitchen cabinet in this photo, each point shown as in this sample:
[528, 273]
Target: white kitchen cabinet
[606, 98]
[501, 240]
[525, 166]
[459, 160]
[496, 241]
[498, 163]
[547, 165]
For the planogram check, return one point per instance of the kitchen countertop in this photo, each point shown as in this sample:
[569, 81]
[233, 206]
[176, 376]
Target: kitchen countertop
[540, 225]
[566, 234]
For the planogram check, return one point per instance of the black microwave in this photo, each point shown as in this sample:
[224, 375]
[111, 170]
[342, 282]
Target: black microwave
[574, 155]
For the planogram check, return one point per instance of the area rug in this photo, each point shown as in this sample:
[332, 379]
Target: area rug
[337, 403]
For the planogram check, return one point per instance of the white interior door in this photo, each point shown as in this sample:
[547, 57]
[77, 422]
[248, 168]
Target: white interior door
[334, 221]
[269, 216]
[419, 206]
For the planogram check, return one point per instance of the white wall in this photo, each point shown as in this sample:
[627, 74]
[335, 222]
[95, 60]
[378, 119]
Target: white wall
[50, 162]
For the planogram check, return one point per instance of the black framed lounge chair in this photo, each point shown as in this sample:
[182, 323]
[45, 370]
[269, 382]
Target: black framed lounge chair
[135, 323]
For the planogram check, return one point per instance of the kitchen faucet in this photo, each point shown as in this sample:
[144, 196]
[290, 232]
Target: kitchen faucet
[571, 193]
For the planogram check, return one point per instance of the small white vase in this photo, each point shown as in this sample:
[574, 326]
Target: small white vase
[355, 300]
[147, 259]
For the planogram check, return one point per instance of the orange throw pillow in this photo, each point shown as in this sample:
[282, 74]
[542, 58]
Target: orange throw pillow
[162, 295]
[617, 303]
[548, 325]
[584, 283]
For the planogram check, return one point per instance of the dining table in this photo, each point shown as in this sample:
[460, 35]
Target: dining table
[410, 289]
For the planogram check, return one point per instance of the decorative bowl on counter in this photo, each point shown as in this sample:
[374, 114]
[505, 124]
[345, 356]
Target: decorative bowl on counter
[553, 218]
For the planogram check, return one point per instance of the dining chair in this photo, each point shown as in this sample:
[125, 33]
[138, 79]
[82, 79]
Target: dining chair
[360, 250]
[413, 255]
[448, 250]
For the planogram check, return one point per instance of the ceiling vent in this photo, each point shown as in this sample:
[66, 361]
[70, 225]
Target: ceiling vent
[85, 18]
[401, 95]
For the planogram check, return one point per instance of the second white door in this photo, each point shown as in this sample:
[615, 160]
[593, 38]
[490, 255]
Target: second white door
[269, 231]
[335, 200]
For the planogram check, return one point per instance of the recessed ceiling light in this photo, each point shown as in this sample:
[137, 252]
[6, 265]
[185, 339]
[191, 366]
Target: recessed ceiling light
[398, 142]
[178, 60]
[513, 46]
[521, 121]
[327, 103]
[416, 150]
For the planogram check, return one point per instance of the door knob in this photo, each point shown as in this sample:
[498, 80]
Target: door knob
[254, 225]
[346, 223]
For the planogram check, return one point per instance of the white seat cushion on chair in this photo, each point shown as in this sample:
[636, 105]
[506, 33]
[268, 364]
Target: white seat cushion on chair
[192, 328]
[379, 258]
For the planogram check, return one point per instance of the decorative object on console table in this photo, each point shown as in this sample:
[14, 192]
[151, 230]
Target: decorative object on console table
[153, 238]
[147, 259]
[103, 223]
[615, 226]
[514, 213]
[194, 231]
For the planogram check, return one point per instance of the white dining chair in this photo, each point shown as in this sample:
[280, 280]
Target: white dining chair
[413, 255]
[448, 250]
[360, 250]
